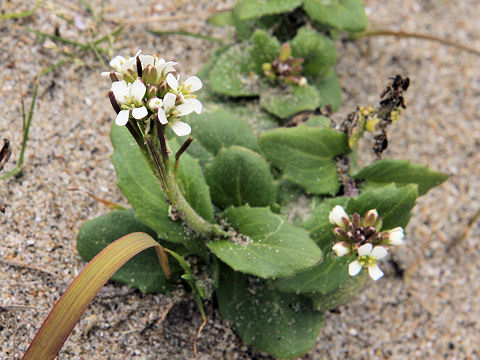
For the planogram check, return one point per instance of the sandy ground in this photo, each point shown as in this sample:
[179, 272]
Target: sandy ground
[432, 312]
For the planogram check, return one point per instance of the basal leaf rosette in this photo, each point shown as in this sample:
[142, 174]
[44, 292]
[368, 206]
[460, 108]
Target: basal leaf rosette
[285, 76]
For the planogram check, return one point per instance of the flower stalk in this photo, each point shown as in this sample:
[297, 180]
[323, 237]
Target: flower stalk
[148, 97]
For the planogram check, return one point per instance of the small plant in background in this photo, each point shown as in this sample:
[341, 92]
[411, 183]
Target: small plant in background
[218, 202]
[286, 54]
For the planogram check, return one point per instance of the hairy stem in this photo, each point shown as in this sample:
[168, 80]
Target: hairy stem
[188, 214]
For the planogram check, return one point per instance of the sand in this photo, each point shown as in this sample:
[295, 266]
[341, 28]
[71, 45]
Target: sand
[431, 312]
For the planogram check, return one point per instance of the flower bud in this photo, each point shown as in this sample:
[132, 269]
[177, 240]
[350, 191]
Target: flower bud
[340, 233]
[130, 75]
[338, 216]
[395, 236]
[341, 248]
[150, 75]
[152, 91]
[285, 53]
[370, 218]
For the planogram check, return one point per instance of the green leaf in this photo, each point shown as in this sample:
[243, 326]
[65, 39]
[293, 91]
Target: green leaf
[341, 295]
[231, 74]
[329, 89]
[270, 247]
[322, 278]
[239, 176]
[305, 155]
[318, 121]
[219, 128]
[316, 49]
[319, 225]
[251, 113]
[223, 18]
[142, 271]
[265, 49]
[283, 325]
[289, 100]
[394, 204]
[347, 15]
[137, 182]
[192, 184]
[249, 9]
[401, 172]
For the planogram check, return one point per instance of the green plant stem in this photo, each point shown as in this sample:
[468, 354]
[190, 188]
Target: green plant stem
[21, 14]
[405, 34]
[28, 120]
[189, 215]
[186, 33]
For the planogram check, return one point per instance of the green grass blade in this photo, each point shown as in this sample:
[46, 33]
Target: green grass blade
[73, 303]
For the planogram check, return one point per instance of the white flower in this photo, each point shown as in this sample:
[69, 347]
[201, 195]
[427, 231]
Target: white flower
[189, 105]
[170, 113]
[337, 215]
[129, 96]
[155, 103]
[395, 236]
[368, 256]
[341, 248]
[125, 67]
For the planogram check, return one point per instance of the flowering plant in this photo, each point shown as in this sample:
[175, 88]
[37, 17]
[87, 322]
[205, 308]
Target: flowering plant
[221, 200]
[214, 209]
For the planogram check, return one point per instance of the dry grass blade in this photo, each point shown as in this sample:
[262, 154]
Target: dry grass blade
[73, 303]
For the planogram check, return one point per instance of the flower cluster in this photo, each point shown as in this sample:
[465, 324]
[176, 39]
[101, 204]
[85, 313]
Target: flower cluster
[362, 238]
[285, 68]
[145, 87]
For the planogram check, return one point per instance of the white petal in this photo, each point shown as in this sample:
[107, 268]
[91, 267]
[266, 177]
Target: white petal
[121, 90]
[129, 65]
[122, 117]
[105, 74]
[138, 90]
[395, 236]
[336, 216]
[146, 60]
[169, 101]
[378, 252]
[197, 105]
[139, 113]
[354, 268]
[117, 62]
[365, 250]
[181, 129]
[172, 81]
[375, 272]
[185, 109]
[162, 117]
[340, 249]
[138, 53]
[194, 82]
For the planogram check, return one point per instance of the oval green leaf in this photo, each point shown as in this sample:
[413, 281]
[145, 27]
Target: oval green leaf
[283, 325]
[306, 156]
[239, 176]
[270, 247]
